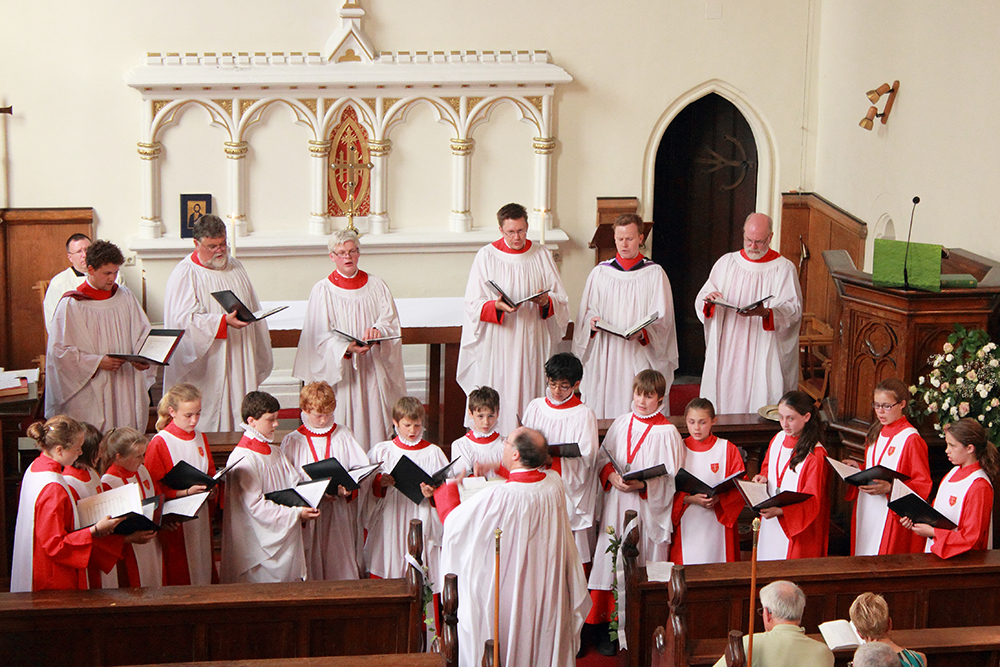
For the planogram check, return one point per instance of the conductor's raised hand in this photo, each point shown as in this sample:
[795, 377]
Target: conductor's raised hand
[308, 514]
[235, 322]
[110, 364]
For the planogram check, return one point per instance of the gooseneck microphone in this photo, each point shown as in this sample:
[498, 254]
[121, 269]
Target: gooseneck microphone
[906, 253]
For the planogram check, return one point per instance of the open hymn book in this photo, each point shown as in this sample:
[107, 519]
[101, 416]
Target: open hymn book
[741, 309]
[864, 477]
[156, 349]
[231, 302]
[338, 475]
[691, 485]
[629, 475]
[840, 634]
[758, 498]
[362, 342]
[509, 300]
[303, 494]
[184, 475]
[626, 333]
[124, 501]
[904, 501]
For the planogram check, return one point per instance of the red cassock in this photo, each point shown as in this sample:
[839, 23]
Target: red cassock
[966, 497]
[711, 461]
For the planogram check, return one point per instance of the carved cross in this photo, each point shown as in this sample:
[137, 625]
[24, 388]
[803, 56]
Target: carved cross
[353, 168]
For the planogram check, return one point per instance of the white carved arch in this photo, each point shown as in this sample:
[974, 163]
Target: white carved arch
[170, 113]
[331, 116]
[398, 112]
[768, 193]
[255, 112]
[483, 110]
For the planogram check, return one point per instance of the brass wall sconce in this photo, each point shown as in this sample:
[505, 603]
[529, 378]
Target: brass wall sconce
[868, 122]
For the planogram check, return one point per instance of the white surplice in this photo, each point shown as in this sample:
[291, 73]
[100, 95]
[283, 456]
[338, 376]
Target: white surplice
[623, 299]
[332, 542]
[59, 284]
[224, 369]
[82, 332]
[367, 385]
[543, 593]
[149, 556]
[747, 367]
[510, 356]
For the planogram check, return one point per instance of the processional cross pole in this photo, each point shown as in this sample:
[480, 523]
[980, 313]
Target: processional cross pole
[354, 169]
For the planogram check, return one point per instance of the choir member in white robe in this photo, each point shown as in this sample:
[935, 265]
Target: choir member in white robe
[261, 540]
[98, 319]
[505, 347]
[368, 379]
[543, 593]
[624, 291]
[480, 450]
[221, 355]
[751, 359]
[70, 278]
[562, 418]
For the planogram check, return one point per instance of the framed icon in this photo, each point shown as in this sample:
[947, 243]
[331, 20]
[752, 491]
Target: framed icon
[192, 208]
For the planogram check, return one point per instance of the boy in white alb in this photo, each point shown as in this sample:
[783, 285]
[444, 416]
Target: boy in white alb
[261, 540]
[563, 418]
[333, 542]
[481, 449]
[705, 528]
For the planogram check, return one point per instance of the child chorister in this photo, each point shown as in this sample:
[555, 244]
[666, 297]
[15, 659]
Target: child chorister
[388, 511]
[332, 543]
[261, 540]
[187, 550]
[124, 452]
[481, 449]
[51, 551]
[562, 418]
[705, 528]
[82, 476]
[796, 461]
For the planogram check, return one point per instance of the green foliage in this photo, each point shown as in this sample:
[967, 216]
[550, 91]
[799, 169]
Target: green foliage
[614, 546]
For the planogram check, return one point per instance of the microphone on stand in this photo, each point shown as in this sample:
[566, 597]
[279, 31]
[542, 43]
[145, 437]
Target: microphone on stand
[906, 253]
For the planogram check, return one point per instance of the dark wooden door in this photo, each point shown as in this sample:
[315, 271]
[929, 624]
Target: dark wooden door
[705, 187]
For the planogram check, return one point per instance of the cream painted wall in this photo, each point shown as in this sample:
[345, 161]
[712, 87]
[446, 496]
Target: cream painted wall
[943, 135]
[73, 138]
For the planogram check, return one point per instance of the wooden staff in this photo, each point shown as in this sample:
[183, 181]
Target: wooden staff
[496, 602]
[753, 588]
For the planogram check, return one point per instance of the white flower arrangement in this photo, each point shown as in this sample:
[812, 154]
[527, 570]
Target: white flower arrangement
[964, 381]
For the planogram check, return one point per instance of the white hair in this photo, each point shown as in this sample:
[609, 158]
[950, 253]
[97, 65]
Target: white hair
[340, 237]
[875, 654]
[784, 600]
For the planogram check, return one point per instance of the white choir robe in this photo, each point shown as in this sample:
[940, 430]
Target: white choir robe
[571, 421]
[187, 551]
[387, 518]
[543, 593]
[510, 356]
[662, 444]
[367, 385]
[624, 298]
[149, 556]
[82, 332]
[473, 448]
[965, 496]
[64, 281]
[224, 369]
[333, 542]
[746, 366]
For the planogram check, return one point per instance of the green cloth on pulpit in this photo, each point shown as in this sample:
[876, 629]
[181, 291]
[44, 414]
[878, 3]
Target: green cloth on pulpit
[923, 265]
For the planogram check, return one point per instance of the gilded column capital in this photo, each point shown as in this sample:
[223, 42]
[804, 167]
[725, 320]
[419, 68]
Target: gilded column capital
[379, 147]
[462, 146]
[543, 145]
[237, 150]
[319, 149]
[150, 151]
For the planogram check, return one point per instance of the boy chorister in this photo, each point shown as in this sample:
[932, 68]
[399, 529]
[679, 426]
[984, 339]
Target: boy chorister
[481, 449]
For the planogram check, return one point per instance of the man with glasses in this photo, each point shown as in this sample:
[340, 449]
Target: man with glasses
[71, 278]
[367, 379]
[504, 346]
[752, 356]
[221, 355]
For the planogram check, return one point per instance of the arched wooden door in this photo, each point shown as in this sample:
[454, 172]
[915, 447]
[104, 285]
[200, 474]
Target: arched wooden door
[705, 187]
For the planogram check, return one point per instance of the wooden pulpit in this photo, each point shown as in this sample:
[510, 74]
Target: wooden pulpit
[889, 332]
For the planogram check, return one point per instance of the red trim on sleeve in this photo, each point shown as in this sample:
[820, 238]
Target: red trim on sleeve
[708, 309]
[548, 310]
[605, 474]
[643, 338]
[490, 314]
[223, 332]
[446, 498]
[768, 320]
[377, 488]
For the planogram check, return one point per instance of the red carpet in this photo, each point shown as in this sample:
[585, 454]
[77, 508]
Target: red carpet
[595, 659]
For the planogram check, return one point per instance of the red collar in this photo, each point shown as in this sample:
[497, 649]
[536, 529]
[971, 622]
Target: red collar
[254, 445]
[770, 256]
[628, 264]
[194, 258]
[120, 473]
[526, 476]
[895, 427]
[412, 448]
[482, 441]
[789, 441]
[700, 445]
[655, 419]
[502, 246]
[87, 292]
[357, 281]
[964, 471]
[571, 402]
[179, 433]
[45, 463]
[304, 430]
[76, 473]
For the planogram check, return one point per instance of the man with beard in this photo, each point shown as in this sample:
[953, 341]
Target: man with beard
[221, 355]
[752, 357]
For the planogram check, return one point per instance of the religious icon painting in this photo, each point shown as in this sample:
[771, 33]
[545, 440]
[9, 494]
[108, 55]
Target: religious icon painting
[193, 207]
[349, 185]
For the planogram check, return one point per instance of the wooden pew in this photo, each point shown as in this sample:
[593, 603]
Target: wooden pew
[704, 602]
[222, 622]
[385, 660]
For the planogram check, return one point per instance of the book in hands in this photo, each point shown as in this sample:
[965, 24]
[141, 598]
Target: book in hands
[865, 477]
[470, 486]
[510, 301]
[303, 494]
[904, 501]
[840, 634]
[757, 497]
[231, 302]
[408, 477]
[365, 343]
[179, 510]
[741, 309]
[566, 450]
[641, 475]
[691, 485]
[156, 349]
[124, 501]
[184, 475]
[626, 333]
[338, 475]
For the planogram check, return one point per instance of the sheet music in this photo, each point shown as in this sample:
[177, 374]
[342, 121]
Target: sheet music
[312, 492]
[157, 347]
[186, 506]
[842, 469]
[840, 634]
[899, 490]
[470, 486]
[659, 570]
[359, 473]
[755, 493]
[113, 503]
